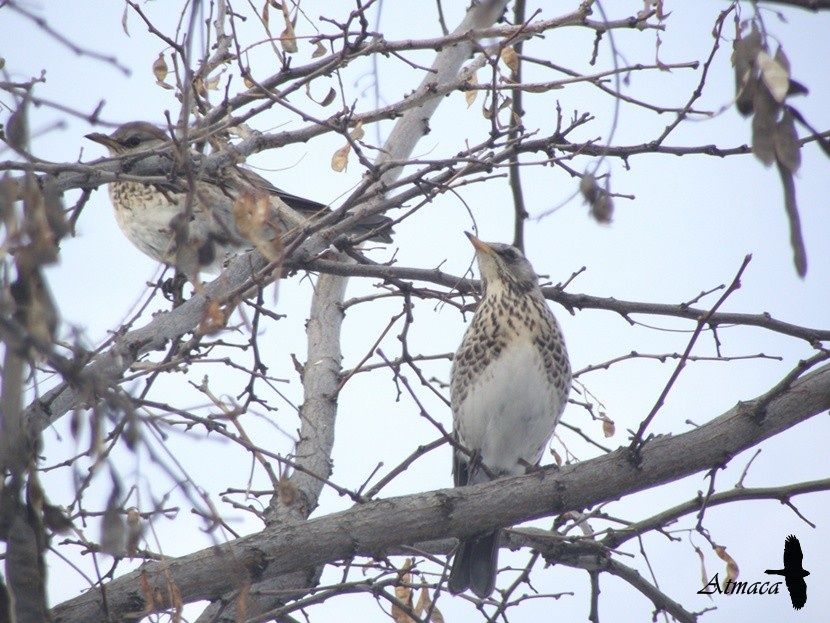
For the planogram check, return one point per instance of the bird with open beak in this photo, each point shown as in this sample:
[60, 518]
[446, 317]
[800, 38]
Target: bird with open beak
[509, 385]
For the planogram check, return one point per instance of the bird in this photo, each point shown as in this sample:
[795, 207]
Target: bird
[793, 572]
[225, 216]
[509, 384]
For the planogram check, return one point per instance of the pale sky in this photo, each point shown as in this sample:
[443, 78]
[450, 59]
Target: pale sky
[690, 223]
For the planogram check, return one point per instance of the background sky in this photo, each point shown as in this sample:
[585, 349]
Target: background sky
[690, 223]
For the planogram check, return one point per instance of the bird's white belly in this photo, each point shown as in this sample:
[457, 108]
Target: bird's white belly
[511, 410]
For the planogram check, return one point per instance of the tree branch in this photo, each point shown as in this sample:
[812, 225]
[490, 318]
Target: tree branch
[365, 529]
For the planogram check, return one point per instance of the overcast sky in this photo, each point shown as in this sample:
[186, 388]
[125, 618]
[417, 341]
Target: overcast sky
[691, 222]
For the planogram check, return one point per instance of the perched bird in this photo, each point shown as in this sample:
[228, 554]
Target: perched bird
[509, 384]
[793, 572]
[225, 216]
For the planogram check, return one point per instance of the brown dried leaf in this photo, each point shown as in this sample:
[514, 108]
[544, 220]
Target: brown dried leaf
[608, 426]
[242, 599]
[471, 95]
[791, 207]
[744, 53]
[288, 40]
[17, 126]
[319, 50]
[175, 596]
[113, 531]
[35, 308]
[340, 159]
[358, 133]
[160, 69]
[403, 593]
[266, 13]
[423, 601]
[55, 519]
[146, 589]
[785, 141]
[704, 577]
[589, 187]
[135, 530]
[556, 458]
[603, 208]
[436, 617]
[781, 59]
[774, 75]
[510, 58]
[286, 491]
[213, 319]
[329, 98]
[732, 570]
[248, 82]
[764, 124]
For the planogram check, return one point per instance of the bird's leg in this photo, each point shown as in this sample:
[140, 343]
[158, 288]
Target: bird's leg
[173, 288]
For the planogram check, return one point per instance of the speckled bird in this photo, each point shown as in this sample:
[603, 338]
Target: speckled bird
[509, 385]
[148, 213]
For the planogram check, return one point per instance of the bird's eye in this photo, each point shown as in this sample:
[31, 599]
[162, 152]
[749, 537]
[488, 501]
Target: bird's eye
[509, 254]
[131, 142]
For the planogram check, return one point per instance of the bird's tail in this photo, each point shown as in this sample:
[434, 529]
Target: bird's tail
[475, 565]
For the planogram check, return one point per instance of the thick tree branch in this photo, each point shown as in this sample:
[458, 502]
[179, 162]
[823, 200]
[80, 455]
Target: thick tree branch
[373, 528]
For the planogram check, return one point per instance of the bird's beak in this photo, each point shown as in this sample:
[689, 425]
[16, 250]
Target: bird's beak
[478, 244]
[103, 139]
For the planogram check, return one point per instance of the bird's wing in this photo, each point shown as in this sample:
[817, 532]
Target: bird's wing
[310, 208]
[792, 553]
[798, 591]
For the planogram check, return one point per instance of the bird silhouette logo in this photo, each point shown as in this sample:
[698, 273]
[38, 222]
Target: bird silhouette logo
[793, 572]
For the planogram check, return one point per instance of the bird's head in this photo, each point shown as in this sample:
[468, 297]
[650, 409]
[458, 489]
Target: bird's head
[502, 265]
[131, 137]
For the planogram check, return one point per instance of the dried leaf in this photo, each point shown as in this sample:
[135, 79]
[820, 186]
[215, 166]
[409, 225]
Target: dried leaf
[213, 319]
[242, 600]
[589, 188]
[113, 531]
[266, 14]
[423, 601]
[160, 68]
[781, 59]
[55, 519]
[124, 20]
[602, 209]
[319, 50]
[785, 141]
[340, 159]
[774, 75]
[510, 58]
[791, 207]
[328, 99]
[357, 134]
[732, 570]
[288, 40]
[286, 491]
[608, 427]
[471, 95]
[704, 577]
[135, 530]
[744, 53]
[17, 126]
[403, 593]
[764, 125]
[556, 458]
[247, 81]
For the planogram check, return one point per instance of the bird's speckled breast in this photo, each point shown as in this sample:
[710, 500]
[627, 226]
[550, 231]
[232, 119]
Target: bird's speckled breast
[144, 213]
